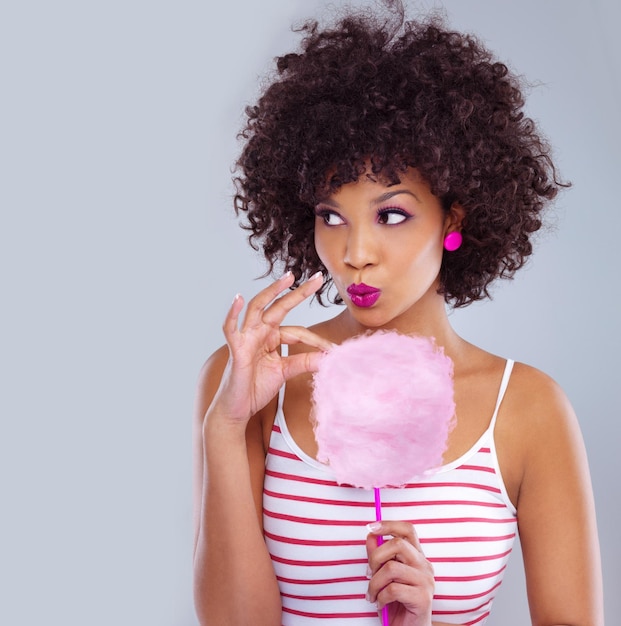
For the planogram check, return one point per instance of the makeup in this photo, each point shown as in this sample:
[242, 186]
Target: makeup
[363, 296]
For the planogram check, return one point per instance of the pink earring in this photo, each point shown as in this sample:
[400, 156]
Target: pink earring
[452, 241]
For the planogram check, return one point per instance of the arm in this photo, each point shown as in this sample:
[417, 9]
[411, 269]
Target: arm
[233, 575]
[556, 513]
[234, 582]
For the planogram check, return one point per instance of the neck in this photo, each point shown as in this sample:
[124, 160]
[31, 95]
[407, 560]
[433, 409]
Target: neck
[429, 319]
[462, 353]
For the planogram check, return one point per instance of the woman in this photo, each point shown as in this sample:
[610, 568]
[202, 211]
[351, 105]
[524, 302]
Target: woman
[394, 164]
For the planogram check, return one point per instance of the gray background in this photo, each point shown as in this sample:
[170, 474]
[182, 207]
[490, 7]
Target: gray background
[119, 255]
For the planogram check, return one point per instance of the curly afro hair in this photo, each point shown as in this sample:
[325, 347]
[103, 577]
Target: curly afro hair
[416, 95]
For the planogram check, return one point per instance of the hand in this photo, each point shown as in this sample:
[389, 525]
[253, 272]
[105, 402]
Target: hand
[255, 370]
[401, 576]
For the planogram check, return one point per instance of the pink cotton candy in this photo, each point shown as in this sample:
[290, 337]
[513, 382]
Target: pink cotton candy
[383, 408]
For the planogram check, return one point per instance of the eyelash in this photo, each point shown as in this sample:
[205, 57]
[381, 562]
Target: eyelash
[388, 210]
[325, 214]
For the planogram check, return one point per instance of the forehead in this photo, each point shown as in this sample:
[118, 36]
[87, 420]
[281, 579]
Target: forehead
[345, 174]
[383, 183]
[373, 192]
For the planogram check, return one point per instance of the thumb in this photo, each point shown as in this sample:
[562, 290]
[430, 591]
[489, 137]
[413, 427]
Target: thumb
[301, 363]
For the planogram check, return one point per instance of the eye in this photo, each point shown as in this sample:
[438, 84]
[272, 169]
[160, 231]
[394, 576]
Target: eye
[392, 216]
[330, 218]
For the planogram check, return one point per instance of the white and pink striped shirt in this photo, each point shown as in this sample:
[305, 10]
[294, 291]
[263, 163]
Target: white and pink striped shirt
[315, 532]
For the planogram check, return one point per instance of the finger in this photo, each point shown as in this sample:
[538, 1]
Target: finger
[299, 334]
[404, 545]
[395, 573]
[231, 320]
[396, 549]
[417, 598]
[277, 312]
[301, 363]
[418, 580]
[405, 530]
[257, 305]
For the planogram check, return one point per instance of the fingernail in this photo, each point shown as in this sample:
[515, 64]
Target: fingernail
[315, 275]
[286, 275]
[369, 573]
[373, 527]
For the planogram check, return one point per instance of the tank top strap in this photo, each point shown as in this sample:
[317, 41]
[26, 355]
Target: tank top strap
[504, 383]
[284, 351]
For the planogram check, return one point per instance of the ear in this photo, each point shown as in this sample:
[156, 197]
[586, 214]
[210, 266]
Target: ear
[454, 217]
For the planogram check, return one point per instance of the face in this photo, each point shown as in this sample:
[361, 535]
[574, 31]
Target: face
[382, 244]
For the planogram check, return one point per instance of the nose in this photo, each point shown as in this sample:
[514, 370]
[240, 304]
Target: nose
[361, 249]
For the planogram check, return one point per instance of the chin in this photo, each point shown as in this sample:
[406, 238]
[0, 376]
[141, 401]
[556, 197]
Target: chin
[372, 318]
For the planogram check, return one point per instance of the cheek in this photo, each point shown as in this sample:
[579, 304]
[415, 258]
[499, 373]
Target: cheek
[323, 248]
[419, 257]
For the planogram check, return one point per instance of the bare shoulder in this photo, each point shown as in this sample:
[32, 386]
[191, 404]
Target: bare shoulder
[537, 401]
[537, 428]
[553, 494]
[541, 418]
[537, 433]
[210, 375]
[209, 379]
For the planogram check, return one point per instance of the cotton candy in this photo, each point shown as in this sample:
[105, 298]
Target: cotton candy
[383, 408]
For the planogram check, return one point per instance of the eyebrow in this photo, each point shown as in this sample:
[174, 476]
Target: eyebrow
[391, 194]
[383, 198]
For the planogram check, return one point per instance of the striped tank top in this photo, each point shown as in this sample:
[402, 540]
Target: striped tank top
[315, 532]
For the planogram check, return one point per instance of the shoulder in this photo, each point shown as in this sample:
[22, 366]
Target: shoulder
[538, 430]
[208, 382]
[556, 512]
[211, 372]
[536, 400]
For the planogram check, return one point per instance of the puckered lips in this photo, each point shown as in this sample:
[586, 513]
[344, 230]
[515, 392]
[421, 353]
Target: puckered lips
[363, 295]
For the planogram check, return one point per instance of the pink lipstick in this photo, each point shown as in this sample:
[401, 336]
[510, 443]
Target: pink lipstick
[363, 295]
